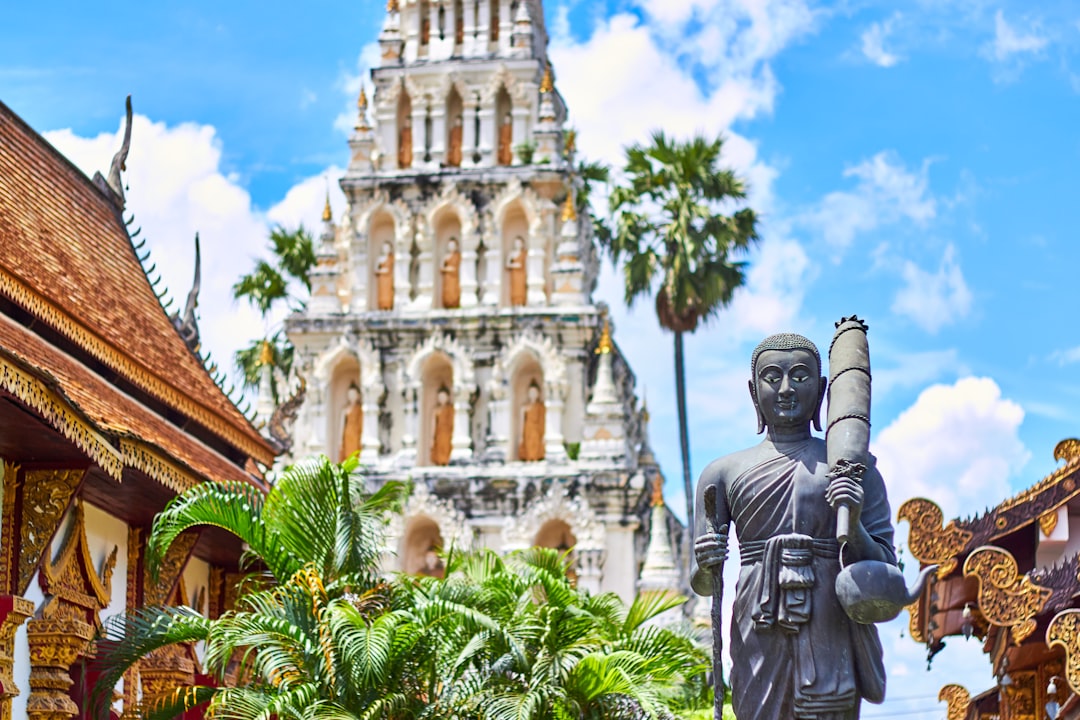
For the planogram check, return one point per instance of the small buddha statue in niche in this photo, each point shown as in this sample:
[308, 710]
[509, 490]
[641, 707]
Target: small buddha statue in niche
[453, 153]
[533, 417]
[506, 141]
[352, 424]
[516, 271]
[404, 152]
[433, 564]
[451, 275]
[442, 437]
[384, 278]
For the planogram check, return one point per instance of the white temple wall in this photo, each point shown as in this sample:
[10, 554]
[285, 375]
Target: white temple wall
[620, 563]
[197, 581]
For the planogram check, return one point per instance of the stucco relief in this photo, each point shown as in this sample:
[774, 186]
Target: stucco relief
[555, 504]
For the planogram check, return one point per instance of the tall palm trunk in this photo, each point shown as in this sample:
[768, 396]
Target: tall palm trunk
[684, 437]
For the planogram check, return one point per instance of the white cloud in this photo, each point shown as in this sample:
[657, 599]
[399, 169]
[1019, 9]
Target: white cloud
[886, 192]
[1009, 41]
[176, 187]
[967, 442]
[350, 83]
[933, 300]
[1066, 357]
[873, 42]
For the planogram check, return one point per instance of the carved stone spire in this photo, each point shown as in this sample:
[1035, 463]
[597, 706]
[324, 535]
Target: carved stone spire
[659, 573]
[547, 84]
[361, 111]
[264, 406]
[327, 213]
[605, 398]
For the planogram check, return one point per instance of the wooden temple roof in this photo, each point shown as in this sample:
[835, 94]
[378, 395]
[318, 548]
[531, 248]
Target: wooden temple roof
[991, 584]
[85, 343]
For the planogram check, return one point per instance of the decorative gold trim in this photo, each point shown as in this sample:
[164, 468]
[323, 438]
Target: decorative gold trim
[15, 611]
[46, 495]
[1047, 522]
[59, 413]
[54, 646]
[915, 622]
[44, 309]
[134, 562]
[8, 530]
[138, 455]
[75, 589]
[1005, 598]
[958, 699]
[1067, 450]
[1018, 698]
[1064, 632]
[170, 571]
[928, 540]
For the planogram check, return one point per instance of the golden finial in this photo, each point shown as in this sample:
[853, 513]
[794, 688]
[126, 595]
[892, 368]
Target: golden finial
[392, 6]
[361, 102]
[569, 212]
[571, 141]
[547, 85]
[266, 354]
[327, 214]
[658, 491]
[645, 411]
[605, 346]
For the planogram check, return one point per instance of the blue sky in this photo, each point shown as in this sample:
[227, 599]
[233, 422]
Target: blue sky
[915, 163]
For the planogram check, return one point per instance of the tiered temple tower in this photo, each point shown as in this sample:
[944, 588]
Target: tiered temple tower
[451, 337]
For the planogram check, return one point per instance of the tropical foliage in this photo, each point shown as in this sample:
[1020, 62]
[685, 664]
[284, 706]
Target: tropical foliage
[678, 235]
[267, 287]
[320, 633]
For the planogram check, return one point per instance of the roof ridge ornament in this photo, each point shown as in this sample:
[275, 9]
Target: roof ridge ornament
[114, 186]
[187, 324]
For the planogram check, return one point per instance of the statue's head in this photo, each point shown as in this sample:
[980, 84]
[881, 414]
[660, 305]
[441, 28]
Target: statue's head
[534, 391]
[443, 396]
[387, 248]
[452, 245]
[353, 394]
[519, 243]
[786, 382]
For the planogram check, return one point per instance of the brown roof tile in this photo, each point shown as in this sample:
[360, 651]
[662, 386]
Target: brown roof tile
[66, 258]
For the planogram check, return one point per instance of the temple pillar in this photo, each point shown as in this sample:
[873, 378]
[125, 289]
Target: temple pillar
[408, 438]
[462, 439]
[535, 261]
[554, 449]
[469, 136]
[506, 26]
[468, 47]
[493, 268]
[425, 261]
[520, 118]
[590, 573]
[488, 141]
[498, 436]
[164, 670]
[438, 130]
[14, 610]
[419, 134]
[54, 646]
[469, 288]
[402, 266]
[369, 436]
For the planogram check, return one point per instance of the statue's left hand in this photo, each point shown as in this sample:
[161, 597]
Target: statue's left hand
[843, 490]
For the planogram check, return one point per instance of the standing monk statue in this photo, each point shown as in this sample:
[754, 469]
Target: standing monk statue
[795, 651]
[352, 424]
[451, 276]
[533, 417]
[506, 141]
[517, 274]
[442, 436]
[384, 278]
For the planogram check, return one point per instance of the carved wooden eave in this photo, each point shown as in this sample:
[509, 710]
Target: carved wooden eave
[933, 542]
[958, 699]
[71, 583]
[1006, 598]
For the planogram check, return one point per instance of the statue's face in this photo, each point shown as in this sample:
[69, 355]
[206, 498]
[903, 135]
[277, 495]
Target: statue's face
[386, 248]
[534, 393]
[788, 387]
[518, 244]
[443, 397]
[451, 246]
[353, 395]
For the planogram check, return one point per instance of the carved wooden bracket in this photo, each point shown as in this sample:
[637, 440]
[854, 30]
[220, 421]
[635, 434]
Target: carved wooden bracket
[915, 622]
[929, 541]
[14, 611]
[958, 699]
[1005, 598]
[1064, 632]
[34, 505]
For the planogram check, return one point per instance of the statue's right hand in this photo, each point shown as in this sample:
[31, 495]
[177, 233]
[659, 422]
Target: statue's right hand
[711, 550]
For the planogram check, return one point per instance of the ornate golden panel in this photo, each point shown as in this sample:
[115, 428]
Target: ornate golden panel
[958, 699]
[42, 498]
[1019, 697]
[931, 542]
[72, 585]
[15, 610]
[915, 623]
[1064, 632]
[1005, 598]
[172, 565]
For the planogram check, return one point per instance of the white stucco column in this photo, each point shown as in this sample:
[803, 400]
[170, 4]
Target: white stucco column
[425, 259]
[554, 450]
[369, 438]
[469, 135]
[419, 129]
[438, 131]
[590, 568]
[493, 270]
[535, 268]
[498, 440]
[469, 286]
[522, 131]
[402, 260]
[462, 439]
[408, 438]
[506, 27]
[488, 141]
[358, 274]
[468, 47]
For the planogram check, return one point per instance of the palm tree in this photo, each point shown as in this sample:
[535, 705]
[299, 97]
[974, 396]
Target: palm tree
[670, 225]
[265, 288]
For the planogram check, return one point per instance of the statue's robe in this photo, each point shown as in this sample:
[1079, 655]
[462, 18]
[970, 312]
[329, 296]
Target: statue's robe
[451, 281]
[519, 289]
[352, 434]
[506, 142]
[795, 653]
[532, 432]
[442, 443]
[384, 281]
[453, 153]
[404, 152]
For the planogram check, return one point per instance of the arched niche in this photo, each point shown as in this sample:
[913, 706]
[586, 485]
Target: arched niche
[515, 226]
[447, 227]
[504, 128]
[437, 372]
[555, 534]
[382, 230]
[405, 130]
[455, 128]
[420, 546]
[344, 374]
[524, 372]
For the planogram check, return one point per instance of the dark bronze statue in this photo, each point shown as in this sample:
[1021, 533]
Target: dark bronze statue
[800, 650]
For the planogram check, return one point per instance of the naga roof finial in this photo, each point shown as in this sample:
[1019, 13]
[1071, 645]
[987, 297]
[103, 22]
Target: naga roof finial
[186, 324]
[119, 163]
